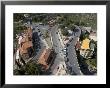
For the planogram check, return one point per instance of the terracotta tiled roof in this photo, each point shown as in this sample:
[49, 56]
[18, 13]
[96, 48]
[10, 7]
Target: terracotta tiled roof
[44, 57]
[25, 43]
[25, 46]
[78, 45]
[29, 32]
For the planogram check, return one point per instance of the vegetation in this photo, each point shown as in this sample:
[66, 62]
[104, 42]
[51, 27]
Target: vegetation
[84, 35]
[46, 34]
[18, 17]
[92, 62]
[31, 68]
[65, 21]
[81, 19]
[65, 32]
[72, 27]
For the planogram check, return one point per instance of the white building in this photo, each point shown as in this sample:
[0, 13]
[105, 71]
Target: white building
[19, 40]
[17, 54]
[93, 36]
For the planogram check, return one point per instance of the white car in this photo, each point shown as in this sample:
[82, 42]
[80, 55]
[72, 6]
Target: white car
[64, 50]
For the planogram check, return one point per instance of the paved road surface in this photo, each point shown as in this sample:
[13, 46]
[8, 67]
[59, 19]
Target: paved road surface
[57, 46]
[73, 62]
[39, 44]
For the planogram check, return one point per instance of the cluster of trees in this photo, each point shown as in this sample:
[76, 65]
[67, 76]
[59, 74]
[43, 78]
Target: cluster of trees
[30, 68]
[64, 32]
[84, 35]
[80, 19]
[91, 62]
[35, 17]
[18, 29]
[18, 17]
[39, 18]
[46, 35]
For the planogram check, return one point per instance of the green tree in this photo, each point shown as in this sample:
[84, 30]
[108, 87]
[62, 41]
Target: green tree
[18, 16]
[46, 34]
[82, 24]
[65, 32]
[91, 62]
[77, 23]
[72, 27]
[31, 68]
[62, 26]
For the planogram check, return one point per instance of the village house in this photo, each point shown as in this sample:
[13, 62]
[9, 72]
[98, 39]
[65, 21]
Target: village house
[84, 29]
[78, 46]
[93, 36]
[85, 47]
[46, 58]
[25, 44]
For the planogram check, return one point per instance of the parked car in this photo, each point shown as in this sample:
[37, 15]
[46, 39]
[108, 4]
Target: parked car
[66, 59]
[65, 48]
[65, 53]
[67, 45]
[40, 23]
[33, 29]
[71, 39]
[56, 32]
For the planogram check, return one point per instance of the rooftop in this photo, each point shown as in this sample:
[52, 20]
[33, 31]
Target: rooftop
[93, 36]
[78, 45]
[25, 46]
[25, 42]
[44, 57]
[85, 44]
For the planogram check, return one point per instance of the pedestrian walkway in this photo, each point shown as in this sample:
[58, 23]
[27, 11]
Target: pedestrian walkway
[60, 37]
[60, 69]
[44, 41]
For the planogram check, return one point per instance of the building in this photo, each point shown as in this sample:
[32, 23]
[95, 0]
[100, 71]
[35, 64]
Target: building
[29, 32]
[70, 32]
[93, 36]
[86, 29]
[26, 45]
[78, 46]
[85, 47]
[46, 58]
[85, 44]
[26, 50]
[92, 46]
[51, 23]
